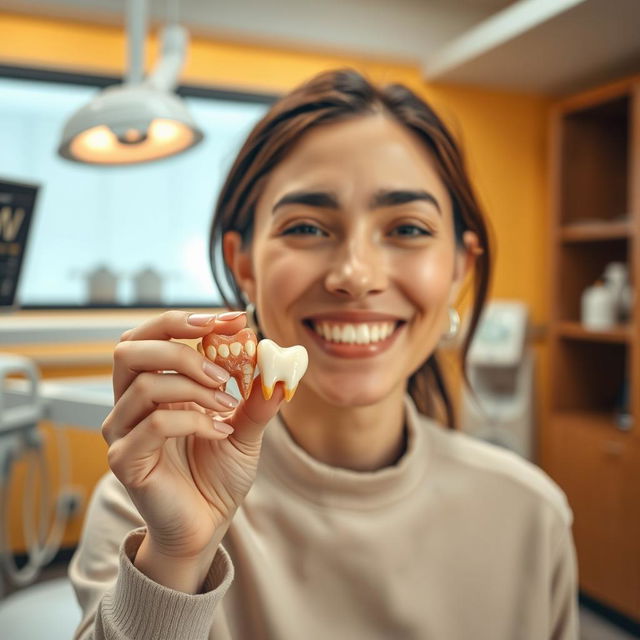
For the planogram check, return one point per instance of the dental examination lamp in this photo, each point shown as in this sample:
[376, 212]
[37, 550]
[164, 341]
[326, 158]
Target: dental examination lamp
[142, 119]
[20, 439]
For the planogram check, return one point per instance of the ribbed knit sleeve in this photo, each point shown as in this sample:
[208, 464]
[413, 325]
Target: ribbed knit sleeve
[120, 602]
[141, 609]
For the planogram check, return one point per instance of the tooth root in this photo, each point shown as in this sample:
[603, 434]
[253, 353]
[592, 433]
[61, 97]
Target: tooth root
[267, 391]
[235, 348]
[289, 393]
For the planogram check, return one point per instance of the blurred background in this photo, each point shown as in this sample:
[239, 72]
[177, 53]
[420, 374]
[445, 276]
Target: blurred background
[103, 223]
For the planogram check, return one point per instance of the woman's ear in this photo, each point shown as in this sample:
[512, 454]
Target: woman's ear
[238, 259]
[465, 261]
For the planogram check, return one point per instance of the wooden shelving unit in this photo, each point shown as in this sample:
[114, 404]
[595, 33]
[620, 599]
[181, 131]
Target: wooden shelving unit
[593, 231]
[590, 434]
[574, 330]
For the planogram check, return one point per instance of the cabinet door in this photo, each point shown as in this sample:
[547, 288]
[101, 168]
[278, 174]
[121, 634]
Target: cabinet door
[597, 467]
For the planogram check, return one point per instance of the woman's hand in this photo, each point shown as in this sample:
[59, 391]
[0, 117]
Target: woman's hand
[170, 443]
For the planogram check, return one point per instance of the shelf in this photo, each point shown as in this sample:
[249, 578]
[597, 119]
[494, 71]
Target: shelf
[595, 230]
[605, 421]
[620, 334]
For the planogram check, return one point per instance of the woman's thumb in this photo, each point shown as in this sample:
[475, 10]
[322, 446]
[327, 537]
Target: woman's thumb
[251, 417]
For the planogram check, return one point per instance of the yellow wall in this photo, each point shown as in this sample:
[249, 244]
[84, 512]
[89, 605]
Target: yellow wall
[504, 134]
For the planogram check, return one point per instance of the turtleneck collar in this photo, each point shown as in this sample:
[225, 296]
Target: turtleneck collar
[283, 461]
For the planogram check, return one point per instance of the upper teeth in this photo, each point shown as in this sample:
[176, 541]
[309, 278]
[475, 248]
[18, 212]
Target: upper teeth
[281, 363]
[359, 333]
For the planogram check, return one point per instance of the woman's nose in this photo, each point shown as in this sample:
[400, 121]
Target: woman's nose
[357, 272]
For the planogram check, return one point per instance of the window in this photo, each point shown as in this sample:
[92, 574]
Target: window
[128, 220]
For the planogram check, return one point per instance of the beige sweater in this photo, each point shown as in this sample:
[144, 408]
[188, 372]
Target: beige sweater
[459, 540]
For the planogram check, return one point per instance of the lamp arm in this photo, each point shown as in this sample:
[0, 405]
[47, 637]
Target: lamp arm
[137, 11]
[175, 39]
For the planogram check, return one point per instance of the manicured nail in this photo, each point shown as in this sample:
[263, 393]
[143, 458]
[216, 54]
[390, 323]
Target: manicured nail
[223, 427]
[201, 319]
[214, 371]
[230, 315]
[225, 399]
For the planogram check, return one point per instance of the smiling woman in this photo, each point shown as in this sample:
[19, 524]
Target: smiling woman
[406, 213]
[348, 222]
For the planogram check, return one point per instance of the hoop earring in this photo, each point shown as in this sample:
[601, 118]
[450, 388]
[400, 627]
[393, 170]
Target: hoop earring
[454, 324]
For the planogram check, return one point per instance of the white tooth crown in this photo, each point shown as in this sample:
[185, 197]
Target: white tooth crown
[286, 364]
[361, 333]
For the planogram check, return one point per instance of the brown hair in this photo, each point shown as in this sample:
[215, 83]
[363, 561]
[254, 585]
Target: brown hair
[334, 96]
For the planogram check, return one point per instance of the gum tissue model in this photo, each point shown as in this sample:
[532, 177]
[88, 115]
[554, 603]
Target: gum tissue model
[240, 353]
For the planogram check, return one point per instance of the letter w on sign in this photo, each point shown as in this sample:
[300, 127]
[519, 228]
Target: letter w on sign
[10, 223]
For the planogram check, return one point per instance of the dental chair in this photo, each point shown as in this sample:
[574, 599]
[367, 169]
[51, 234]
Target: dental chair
[48, 609]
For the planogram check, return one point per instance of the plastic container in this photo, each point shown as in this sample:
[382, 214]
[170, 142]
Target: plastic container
[598, 307]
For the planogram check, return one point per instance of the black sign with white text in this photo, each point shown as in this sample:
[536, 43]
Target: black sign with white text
[17, 203]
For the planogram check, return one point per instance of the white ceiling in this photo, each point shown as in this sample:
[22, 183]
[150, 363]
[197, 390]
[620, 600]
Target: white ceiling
[584, 42]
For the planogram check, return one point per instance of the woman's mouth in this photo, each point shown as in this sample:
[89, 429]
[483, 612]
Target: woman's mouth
[353, 339]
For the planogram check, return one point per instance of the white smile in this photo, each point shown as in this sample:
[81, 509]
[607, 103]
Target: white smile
[353, 333]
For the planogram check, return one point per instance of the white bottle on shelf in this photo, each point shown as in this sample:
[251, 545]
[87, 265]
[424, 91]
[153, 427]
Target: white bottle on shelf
[598, 307]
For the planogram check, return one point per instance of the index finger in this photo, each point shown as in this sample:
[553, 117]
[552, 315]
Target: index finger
[175, 324]
[182, 324]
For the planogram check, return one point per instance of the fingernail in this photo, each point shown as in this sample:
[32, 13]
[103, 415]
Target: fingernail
[225, 399]
[223, 427]
[214, 371]
[230, 315]
[201, 319]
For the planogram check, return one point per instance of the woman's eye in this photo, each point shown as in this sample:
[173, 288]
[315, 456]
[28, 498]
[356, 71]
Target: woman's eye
[410, 230]
[303, 229]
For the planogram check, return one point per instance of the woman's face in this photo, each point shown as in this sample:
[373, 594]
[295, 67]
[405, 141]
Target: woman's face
[353, 255]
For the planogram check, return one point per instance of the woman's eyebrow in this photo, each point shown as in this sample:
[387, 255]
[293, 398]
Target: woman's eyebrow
[383, 198]
[319, 199]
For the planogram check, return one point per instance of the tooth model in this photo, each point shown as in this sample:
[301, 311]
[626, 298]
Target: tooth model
[236, 354]
[286, 364]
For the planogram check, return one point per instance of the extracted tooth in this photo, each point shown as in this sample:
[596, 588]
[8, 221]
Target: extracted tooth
[227, 352]
[286, 364]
